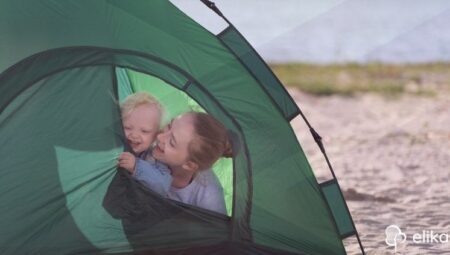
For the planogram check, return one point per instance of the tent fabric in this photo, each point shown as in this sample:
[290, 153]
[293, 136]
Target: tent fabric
[65, 65]
[250, 58]
[336, 201]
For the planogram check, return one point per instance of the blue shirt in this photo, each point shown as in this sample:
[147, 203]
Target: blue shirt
[204, 191]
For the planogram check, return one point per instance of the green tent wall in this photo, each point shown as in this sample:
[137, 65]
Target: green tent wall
[64, 65]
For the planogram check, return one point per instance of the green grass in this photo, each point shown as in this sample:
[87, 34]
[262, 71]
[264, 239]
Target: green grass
[350, 79]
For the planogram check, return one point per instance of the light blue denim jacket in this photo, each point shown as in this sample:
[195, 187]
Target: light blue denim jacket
[153, 174]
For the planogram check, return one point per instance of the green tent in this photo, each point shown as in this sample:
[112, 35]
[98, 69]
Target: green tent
[65, 65]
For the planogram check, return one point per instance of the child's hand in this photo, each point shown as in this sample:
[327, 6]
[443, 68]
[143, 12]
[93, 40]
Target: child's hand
[127, 161]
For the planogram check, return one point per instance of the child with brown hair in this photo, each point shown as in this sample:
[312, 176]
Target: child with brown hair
[190, 145]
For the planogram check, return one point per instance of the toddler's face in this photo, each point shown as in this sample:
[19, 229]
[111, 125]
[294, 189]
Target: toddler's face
[141, 127]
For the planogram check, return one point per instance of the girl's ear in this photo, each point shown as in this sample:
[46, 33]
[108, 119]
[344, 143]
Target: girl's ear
[190, 166]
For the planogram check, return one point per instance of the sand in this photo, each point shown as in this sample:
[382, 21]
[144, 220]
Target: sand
[392, 160]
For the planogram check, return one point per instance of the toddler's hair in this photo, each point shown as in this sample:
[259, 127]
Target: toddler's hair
[135, 100]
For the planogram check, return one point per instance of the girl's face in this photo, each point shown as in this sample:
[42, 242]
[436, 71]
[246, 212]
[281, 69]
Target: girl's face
[140, 127]
[173, 142]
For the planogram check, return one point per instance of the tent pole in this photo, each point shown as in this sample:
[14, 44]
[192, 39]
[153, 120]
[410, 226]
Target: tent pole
[212, 6]
[318, 140]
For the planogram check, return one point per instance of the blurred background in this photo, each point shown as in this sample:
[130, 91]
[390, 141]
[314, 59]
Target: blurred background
[373, 78]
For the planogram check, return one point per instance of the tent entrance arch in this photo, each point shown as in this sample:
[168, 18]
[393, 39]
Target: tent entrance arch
[127, 79]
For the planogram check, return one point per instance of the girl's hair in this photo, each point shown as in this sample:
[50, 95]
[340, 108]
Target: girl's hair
[210, 141]
[135, 100]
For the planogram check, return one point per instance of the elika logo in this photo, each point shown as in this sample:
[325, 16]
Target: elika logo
[394, 236]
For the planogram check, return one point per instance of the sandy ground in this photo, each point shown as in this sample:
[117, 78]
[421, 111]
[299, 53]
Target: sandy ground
[392, 160]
